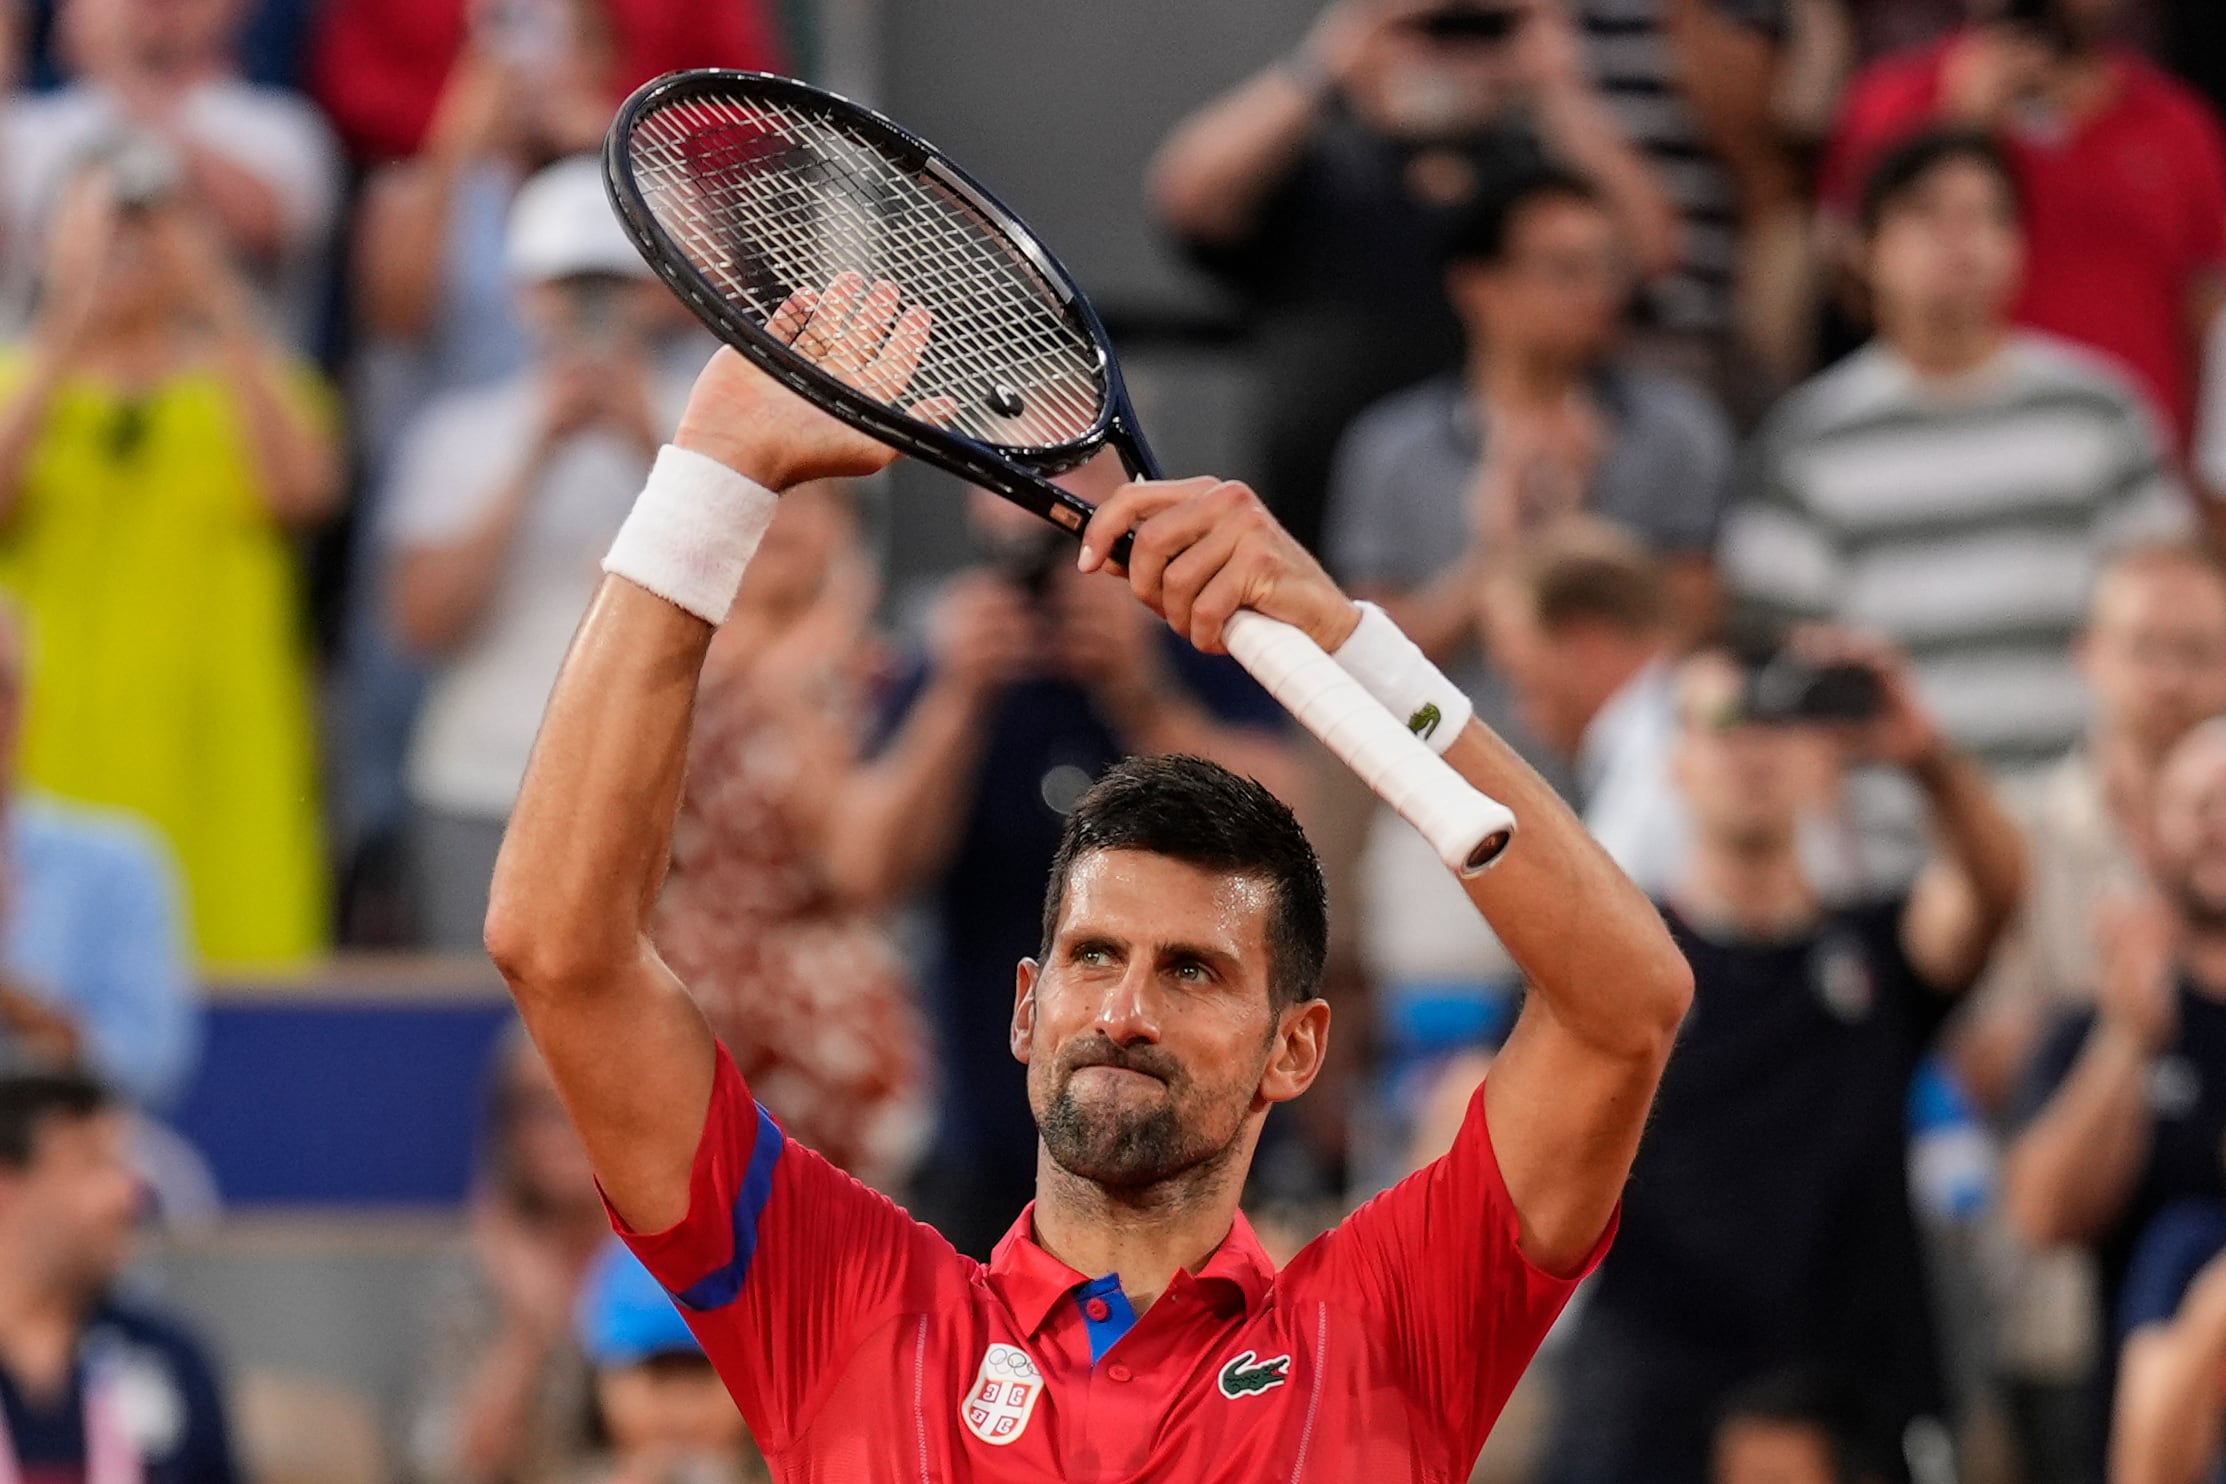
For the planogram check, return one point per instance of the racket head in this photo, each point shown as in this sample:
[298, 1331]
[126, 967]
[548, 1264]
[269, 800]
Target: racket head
[743, 188]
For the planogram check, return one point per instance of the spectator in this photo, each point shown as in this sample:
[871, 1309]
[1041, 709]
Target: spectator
[95, 964]
[2123, 172]
[1036, 680]
[1582, 627]
[158, 84]
[2127, 1101]
[1697, 84]
[666, 1415]
[92, 1387]
[381, 68]
[1767, 1224]
[1788, 1428]
[1321, 189]
[767, 909]
[1955, 484]
[506, 1388]
[2153, 656]
[2171, 1419]
[504, 500]
[1435, 483]
[157, 452]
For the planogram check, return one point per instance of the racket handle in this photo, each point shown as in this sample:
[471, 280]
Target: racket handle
[1466, 828]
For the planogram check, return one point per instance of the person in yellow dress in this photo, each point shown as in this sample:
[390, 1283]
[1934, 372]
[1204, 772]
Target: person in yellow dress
[157, 450]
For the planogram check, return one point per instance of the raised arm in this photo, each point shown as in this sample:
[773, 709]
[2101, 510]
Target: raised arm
[588, 841]
[1569, 1095]
[2169, 1426]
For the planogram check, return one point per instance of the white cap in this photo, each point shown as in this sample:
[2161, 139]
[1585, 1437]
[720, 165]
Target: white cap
[561, 223]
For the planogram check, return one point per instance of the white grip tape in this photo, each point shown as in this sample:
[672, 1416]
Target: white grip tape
[1466, 828]
[692, 532]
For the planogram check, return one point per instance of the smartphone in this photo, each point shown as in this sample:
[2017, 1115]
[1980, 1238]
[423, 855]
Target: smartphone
[1787, 690]
[1470, 25]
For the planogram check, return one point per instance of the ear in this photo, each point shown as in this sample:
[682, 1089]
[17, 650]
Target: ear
[1024, 1008]
[1295, 1058]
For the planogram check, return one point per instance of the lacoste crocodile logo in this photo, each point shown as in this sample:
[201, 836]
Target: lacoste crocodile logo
[1425, 721]
[1248, 1375]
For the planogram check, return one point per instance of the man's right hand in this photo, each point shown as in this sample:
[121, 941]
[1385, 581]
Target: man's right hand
[1987, 70]
[2138, 940]
[755, 426]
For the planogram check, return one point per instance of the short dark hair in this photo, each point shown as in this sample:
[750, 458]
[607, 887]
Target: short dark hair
[1200, 813]
[1905, 167]
[1586, 570]
[1802, 1397]
[31, 1096]
[1482, 233]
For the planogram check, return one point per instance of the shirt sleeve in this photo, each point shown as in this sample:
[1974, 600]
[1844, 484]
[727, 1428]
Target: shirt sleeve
[1434, 1267]
[783, 1264]
[1691, 463]
[1364, 538]
[138, 1004]
[2146, 500]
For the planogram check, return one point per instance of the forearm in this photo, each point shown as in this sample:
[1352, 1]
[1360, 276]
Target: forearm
[1984, 848]
[30, 1020]
[23, 421]
[2170, 1421]
[1214, 173]
[296, 462]
[250, 212]
[441, 591]
[398, 277]
[1593, 948]
[1582, 132]
[897, 823]
[2071, 1173]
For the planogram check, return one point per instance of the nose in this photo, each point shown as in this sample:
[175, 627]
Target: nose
[1128, 1013]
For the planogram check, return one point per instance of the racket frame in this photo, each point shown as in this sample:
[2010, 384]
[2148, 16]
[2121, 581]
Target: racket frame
[990, 465]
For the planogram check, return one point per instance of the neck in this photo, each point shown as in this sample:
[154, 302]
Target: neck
[1146, 1236]
[1756, 892]
[1943, 349]
[39, 1323]
[1511, 376]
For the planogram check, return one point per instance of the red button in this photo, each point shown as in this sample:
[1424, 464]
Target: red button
[1117, 1371]
[1097, 1309]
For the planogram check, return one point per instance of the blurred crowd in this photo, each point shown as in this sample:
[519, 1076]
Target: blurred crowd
[1800, 424]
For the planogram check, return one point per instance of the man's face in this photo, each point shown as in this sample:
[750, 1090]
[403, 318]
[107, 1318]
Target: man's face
[75, 1206]
[2155, 652]
[1744, 784]
[1147, 1031]
[1559, 290]
[1554, 675]
[1949, 250]
[1759, 1451]
[2190, 838]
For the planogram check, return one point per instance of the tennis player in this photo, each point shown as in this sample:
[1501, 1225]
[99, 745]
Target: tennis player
[1130, 1326]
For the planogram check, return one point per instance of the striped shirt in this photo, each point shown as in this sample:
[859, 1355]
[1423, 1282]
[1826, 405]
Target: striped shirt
[1964, 520]
[1629, 53]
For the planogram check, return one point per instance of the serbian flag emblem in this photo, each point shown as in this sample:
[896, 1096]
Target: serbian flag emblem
[1003, 1396]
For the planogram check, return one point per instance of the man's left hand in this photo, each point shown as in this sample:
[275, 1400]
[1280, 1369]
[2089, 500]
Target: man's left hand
[1205, 548]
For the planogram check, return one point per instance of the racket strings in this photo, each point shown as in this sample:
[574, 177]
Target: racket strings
[767, 199]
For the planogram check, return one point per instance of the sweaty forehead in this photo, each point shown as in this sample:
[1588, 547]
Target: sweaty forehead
[1138, 897]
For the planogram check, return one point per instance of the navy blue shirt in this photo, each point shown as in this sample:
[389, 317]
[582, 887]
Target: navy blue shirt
[2187, 1107]
[166, 1394]
[1046, 746]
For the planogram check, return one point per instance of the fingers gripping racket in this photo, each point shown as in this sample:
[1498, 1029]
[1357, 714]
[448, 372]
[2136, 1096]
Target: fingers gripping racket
[752, 196]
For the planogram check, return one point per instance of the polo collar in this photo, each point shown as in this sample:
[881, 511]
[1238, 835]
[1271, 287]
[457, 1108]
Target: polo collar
[1031, 1281]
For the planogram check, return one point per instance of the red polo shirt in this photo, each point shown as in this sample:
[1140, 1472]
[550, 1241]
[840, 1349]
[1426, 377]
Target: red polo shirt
[2124, 214]
[862, 1348]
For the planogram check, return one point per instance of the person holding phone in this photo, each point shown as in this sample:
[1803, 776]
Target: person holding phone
[2122, 171]
[1768, 1225]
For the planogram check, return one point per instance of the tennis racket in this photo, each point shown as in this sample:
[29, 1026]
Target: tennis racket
[748, 192]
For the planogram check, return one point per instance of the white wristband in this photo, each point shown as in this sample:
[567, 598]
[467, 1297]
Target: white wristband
[1393, 669]
[693, 530]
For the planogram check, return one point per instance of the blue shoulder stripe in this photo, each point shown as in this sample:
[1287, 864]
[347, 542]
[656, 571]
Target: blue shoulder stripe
[718, 1288]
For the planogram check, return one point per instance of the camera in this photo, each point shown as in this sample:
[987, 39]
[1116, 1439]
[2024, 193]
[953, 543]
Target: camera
[1030, 560]
[145, 172]
[1785, 689]
[1470, 25]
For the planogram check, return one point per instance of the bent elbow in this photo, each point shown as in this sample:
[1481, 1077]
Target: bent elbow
[1669, 1000]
